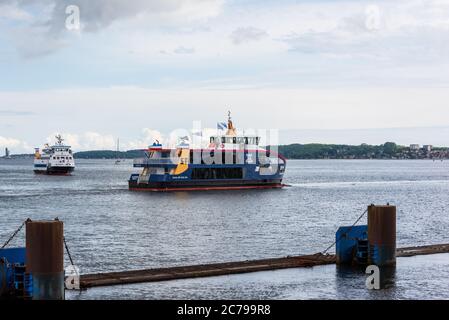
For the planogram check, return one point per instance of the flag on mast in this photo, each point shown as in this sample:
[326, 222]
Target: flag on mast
[222, 125]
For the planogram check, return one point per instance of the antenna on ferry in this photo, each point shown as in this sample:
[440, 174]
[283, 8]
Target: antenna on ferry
[59, 139]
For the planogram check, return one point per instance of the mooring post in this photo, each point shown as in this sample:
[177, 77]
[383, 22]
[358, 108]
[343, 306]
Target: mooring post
[45, 258]
[382, 235]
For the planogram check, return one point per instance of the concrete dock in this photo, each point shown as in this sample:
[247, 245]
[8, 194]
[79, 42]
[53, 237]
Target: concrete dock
[228, 268]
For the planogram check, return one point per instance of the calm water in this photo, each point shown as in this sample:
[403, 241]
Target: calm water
[110, 228]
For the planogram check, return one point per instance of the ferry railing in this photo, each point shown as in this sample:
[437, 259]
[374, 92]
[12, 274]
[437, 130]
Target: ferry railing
[160, 161]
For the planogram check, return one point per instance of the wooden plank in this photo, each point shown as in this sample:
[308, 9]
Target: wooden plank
[228, 268]
[205, 270]
[422, 250]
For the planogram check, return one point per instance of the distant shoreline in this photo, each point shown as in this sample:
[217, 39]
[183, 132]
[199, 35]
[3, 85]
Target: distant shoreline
[314, 151]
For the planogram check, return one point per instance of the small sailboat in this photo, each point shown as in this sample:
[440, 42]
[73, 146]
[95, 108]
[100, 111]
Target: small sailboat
[117, 157]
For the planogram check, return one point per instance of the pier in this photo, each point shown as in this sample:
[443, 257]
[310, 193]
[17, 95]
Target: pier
[36, 272]
[229, 268]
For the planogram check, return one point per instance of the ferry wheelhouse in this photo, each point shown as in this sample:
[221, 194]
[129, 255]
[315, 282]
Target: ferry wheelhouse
[54, 160]
[231, 161]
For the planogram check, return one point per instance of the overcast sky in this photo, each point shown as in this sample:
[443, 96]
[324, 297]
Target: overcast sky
[138, 69]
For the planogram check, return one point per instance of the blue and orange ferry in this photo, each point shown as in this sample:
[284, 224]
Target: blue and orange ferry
[230, 162]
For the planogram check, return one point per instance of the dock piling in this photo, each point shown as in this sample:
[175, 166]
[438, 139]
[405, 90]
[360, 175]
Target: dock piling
[382, 235]
[45, 258]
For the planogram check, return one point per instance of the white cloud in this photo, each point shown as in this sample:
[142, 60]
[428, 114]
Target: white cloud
[9, 142]
[184, 50]
[38, 28]
[69, 138]
[12, 12]
[15, 145]
[335, 29]
[94, 140]
[165, 110]
[148, 137]
[396, 31]
[85, 141]
[247, 34]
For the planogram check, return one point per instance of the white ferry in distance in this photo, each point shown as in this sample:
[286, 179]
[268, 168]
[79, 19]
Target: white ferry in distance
[55, 160]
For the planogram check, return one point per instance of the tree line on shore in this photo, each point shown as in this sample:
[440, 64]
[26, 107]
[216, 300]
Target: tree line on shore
[388, 150]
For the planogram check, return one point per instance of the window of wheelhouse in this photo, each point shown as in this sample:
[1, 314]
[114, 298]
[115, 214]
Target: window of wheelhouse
[217, 173]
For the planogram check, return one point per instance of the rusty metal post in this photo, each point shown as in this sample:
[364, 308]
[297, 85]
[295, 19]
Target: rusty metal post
[382, 235]
[45, 258]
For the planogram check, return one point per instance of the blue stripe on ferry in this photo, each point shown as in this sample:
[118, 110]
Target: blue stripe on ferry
[40, 165]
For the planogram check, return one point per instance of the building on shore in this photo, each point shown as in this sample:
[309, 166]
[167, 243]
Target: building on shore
[7, 154]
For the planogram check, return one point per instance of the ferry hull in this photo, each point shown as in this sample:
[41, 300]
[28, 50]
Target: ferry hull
[56, 171]
[204, 186]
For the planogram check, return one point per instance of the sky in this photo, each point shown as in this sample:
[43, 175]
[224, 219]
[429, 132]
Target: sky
[327, 71]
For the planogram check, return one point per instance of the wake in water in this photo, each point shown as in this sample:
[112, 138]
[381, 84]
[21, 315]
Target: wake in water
[346, 184]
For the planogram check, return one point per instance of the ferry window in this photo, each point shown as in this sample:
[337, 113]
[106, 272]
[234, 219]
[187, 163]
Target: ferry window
[217, 173]
[212, 139]
[223, 140]
[246, 140]
[234, 140]
[257, 140]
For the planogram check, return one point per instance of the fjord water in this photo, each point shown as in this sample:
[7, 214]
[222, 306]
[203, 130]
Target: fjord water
[110, 228]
